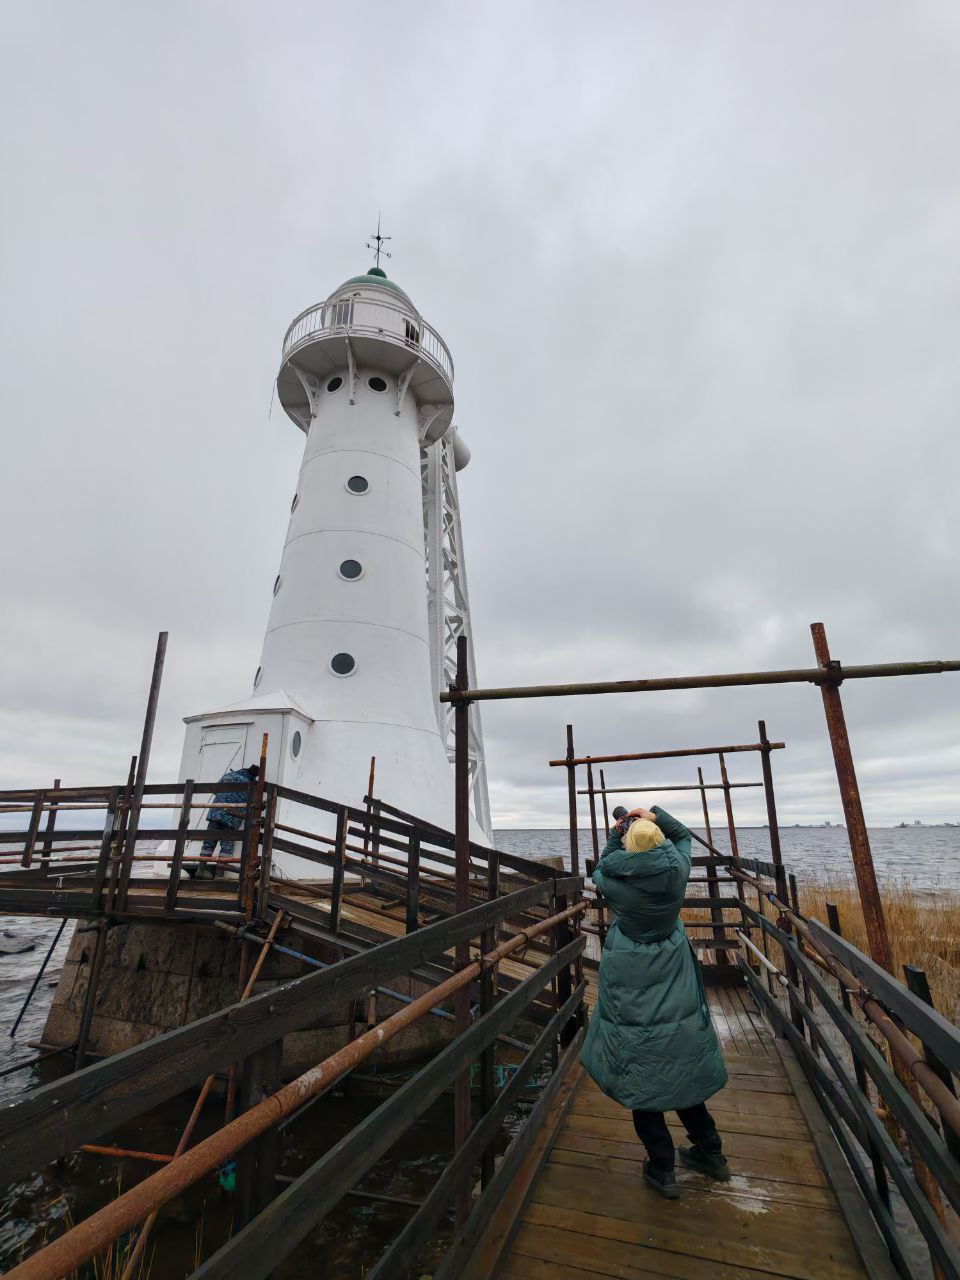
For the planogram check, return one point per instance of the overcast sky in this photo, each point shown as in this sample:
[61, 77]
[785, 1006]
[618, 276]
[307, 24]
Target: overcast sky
[697, 266]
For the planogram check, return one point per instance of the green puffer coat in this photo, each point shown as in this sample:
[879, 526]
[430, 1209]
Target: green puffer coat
[651, 1045]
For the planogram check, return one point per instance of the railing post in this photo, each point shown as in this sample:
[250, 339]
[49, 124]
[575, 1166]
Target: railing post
[776, 853]
[266, 853]
[48, 830]
[186, 809]
[870, 901]
[124, 800]
[795, 903]
[560, 935]
[252, 835]
[860, 1071]
[143, 762]
[340, 853]
[461, 1004]
[493, 874]
[375, 843]
[593, 810]
[258, 1161]
[371, 781]
[488, 994]
[713, 887]
[603, 797]
[106, 845]
[572, 804]
[918, 984]
[93, 983]
[780, 878]
[35, 815]
[601, 909]
[413, 881]
[728, 805]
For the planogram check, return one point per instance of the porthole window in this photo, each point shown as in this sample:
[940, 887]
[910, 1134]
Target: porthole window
[358, 484]
[256, 678]
[376, 384]
[351, 569]
[295, 744]
[343, 664]
[276, 584]
[293, 504]
[335, 384]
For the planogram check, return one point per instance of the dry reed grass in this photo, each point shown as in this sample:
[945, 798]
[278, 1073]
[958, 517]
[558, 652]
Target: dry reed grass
[924, 928]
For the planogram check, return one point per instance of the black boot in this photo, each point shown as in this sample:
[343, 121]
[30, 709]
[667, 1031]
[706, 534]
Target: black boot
[663, 1181]
[712, 1163]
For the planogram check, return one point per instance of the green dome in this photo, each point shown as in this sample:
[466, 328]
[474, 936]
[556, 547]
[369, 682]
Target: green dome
[376, 276]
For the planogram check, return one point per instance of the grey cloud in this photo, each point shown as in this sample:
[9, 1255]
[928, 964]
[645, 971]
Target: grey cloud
[697, 270]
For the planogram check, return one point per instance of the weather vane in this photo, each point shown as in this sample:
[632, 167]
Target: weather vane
[377, 242]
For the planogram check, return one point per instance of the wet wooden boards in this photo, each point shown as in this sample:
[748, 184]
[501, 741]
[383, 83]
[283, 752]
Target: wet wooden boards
[590, 1214]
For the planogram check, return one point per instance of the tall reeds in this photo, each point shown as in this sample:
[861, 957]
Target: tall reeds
[923, 923]
[924, 927]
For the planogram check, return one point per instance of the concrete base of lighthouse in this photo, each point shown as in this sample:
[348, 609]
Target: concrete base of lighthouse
[158, 976]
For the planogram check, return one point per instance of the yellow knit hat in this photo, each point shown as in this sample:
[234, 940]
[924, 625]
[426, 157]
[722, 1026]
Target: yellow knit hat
[642, 836]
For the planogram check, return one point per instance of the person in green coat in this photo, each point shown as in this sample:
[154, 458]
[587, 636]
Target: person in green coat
[651, 1045]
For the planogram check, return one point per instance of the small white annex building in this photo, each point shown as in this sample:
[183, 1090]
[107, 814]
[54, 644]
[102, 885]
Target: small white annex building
[371, 592]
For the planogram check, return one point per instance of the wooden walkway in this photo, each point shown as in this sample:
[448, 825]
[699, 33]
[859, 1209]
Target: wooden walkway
[590, 1214]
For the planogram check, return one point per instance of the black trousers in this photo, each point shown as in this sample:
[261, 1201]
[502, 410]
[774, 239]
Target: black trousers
[652, 1131]
[226, 844]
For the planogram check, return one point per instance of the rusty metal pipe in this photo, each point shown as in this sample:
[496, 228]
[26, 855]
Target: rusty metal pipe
[592, 793]
[869, 890]
[667, 755]
[798, 675]
[603, 801]
[133, 1261]
[655, 786]
[572, 804]
[716, 913]
[152, 1156]
[87, 1238]
[906, 1054]
[938, 1093]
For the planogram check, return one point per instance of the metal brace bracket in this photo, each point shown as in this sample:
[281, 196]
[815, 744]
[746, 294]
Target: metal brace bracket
[428, 413]
[354, 372]
[311, 386]
[832, 674]
[403, 382]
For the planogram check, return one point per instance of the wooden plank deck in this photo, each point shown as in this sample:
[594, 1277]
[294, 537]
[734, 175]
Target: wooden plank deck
[590, 1214]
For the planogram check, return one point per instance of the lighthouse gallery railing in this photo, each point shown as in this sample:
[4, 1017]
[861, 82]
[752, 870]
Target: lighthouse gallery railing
[388, 320]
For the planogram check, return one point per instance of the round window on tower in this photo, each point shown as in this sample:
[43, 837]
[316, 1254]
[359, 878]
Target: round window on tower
[343, 664]
[376, 384]
[358, 484]
[335, 384]
[276, 584]
[351, 570]
[295, 744]
[256, 678]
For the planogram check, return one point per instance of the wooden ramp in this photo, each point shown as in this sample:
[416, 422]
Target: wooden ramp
[590, 1214]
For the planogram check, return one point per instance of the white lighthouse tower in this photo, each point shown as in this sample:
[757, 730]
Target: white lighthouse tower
[370, 595]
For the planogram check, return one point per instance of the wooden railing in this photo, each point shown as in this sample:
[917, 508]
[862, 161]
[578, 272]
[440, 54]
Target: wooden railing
[94, 873]
[55, 1119]
[842, 1062]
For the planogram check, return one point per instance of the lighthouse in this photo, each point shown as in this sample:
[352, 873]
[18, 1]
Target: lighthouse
[370, 592]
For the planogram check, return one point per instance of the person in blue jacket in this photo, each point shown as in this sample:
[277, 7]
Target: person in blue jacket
[223, 820]
[651, 1045]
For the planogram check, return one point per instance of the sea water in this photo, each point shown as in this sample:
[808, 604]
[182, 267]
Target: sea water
[927, 857]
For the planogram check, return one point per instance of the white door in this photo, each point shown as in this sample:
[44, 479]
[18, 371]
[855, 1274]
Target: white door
[222, 747]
